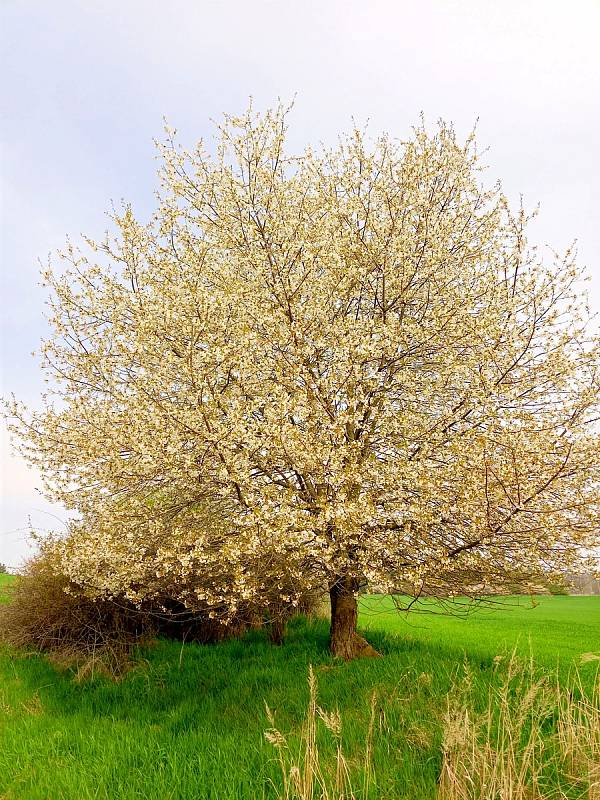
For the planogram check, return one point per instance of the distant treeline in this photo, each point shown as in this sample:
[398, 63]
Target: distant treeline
[584, 584]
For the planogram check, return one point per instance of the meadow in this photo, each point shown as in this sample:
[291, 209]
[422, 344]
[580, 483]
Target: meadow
[555, 630]
[188, 721]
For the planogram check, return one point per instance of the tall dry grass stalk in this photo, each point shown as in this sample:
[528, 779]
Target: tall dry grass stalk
[305, 775]
[578, 732]
[533, 740]
[527, 737]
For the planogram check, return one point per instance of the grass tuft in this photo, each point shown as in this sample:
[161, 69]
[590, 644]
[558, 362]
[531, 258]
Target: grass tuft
[534, 739]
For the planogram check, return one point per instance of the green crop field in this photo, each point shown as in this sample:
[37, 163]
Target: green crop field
[188, 721]
[555, 630]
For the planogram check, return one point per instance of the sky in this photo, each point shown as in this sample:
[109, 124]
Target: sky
[85, 87]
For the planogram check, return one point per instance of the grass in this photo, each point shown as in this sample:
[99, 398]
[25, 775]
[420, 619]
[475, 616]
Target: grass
[5, 582]
[533, 739]
[556, 630]
[188, 722]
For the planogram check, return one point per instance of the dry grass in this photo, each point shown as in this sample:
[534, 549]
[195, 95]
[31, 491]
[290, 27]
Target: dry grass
[534, 740]
[578, 733]
[528, 738]
[305, 775]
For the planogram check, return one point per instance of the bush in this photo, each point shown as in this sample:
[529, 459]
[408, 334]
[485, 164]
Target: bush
[49, 613]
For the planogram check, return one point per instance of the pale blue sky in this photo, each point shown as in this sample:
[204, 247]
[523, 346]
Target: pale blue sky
[85, 85]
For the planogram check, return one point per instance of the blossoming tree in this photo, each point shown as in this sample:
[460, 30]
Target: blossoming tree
[341, 369]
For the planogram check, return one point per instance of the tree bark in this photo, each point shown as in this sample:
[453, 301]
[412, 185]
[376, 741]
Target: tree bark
[277, 630]
[344, 640]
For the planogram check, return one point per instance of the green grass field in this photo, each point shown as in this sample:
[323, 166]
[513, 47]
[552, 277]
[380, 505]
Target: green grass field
[555, 630]
[5, 581]
[188, 722]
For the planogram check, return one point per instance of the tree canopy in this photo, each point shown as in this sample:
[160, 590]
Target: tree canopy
[335, 369]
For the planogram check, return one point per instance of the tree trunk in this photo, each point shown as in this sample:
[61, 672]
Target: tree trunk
[344, 640]
[277, 630]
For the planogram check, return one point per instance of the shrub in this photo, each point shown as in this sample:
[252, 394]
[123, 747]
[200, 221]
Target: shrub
[49, 614]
